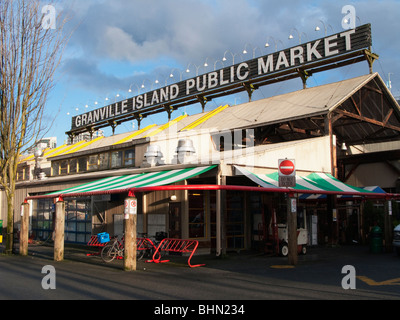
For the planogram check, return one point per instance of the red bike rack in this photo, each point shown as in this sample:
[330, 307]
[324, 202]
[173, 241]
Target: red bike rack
[176, 245]
[143, 244]
[94, 242]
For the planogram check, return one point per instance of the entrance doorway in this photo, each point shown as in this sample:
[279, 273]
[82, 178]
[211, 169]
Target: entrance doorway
[175, 230]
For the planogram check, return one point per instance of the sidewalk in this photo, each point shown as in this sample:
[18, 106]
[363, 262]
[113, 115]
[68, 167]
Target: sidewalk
[237, 276]
[233, 260]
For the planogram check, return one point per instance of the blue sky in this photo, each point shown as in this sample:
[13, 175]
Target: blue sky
[120, 44]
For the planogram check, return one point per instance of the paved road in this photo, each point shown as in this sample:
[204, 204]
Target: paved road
[239, 277]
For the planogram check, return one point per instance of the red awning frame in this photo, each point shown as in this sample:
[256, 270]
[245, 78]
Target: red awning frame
[131, 192]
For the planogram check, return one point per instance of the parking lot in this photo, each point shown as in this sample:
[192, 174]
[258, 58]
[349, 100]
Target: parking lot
[238, 276]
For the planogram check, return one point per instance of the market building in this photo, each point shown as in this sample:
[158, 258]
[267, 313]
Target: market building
[213, 176]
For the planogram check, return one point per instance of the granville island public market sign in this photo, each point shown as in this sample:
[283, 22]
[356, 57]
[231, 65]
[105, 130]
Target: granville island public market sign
[330, 46]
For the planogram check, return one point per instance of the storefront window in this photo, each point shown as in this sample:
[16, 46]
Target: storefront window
[235, 220]
[42, 219]
[197, 214]
[78, 221]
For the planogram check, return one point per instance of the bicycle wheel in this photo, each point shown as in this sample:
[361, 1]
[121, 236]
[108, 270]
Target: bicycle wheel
[109, 252]
[140, 254]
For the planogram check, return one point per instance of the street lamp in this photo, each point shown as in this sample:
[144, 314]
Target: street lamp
[215, 64]
[317, 28]
[130, 88]
[254, 49]
[275, 43]
[298, 33]
[197, 68]
[233, 56]
[172, 73]
[143, 86]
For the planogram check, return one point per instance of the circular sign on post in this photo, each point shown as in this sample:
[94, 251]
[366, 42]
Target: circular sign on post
[130, 207]
[287, 167]
[287, 173]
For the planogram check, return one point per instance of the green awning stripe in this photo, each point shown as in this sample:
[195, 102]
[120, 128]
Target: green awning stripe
[314, 182]
[125, 182]
[117, 183]
[301, 182]
[179, 176]
[86, 185]
[328, 182]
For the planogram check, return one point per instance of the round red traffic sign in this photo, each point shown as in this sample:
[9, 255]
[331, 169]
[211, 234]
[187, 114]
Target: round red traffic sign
[287, 167]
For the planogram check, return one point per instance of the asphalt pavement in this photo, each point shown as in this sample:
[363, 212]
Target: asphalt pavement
[245, 276]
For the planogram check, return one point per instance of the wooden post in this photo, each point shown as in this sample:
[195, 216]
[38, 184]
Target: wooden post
[130, 234]
[292, 229]
[59, 231]
[24, 234]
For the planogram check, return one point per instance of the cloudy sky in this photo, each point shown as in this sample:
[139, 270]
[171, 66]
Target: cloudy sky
[122, 44]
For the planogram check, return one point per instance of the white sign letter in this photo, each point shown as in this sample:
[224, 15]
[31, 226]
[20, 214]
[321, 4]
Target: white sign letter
[49, 19]
[349, 281]
[49, 280]
[349, 20]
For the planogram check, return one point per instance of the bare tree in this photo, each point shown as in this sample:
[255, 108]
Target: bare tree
[32, 40]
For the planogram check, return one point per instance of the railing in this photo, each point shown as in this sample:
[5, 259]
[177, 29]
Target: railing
[176, 245]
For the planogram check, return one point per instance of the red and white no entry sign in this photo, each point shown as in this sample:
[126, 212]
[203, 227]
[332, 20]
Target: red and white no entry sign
[286, 167]
[130, 207]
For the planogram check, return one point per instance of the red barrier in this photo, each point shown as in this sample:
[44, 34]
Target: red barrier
[176, 245]
[144, 244]
[94, 242]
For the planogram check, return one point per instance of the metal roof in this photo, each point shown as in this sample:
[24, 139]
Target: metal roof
[290, 106]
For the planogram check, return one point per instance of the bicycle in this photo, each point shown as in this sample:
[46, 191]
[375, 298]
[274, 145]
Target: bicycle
[147, 247]
[115, 248]
[112, 249]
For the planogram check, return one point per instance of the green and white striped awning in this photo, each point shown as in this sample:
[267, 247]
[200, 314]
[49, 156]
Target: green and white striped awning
[125, 183]
[320, 183]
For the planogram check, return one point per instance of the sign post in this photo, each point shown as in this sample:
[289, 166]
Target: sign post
[287, 178]
[130, 234]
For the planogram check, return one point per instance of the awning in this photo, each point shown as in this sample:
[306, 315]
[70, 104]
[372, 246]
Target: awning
[120, 184]
[319, 183]
[373, 189]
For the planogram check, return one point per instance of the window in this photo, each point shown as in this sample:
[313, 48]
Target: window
[93, 163]
[82, 164]
[42, 218]
[23, 173]
[116, 159]
[235, 220]
[78, 221]
[104, 161]
[55, 167]
[64, 167]
[129, 157]
[197, 214]
[73, 166]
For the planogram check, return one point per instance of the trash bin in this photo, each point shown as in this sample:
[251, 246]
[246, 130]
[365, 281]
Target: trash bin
[376, 240]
